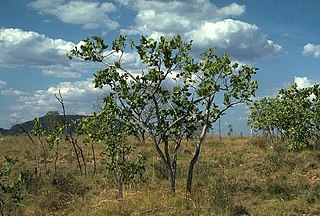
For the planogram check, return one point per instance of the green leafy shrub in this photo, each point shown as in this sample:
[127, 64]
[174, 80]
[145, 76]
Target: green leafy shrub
[119, 156]
[160, 171]
[291, 117]
[10, 187]
[32, 182]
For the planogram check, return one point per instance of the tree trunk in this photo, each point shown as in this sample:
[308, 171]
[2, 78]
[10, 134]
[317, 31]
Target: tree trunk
[165, 158]
[119, 185]
[196, 155]
[94, 160]
[170, 166]
[83, 159]
[191, 167]
[77, 156]
[56, 160]
[172, 180]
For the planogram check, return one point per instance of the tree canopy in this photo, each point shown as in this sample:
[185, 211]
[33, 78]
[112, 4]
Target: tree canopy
[173, 96]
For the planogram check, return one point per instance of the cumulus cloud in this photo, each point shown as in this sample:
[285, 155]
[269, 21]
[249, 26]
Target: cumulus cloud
[88, 14]
[12, 92]
[78, 97]
[30, 49]
[204, 23]
[312, 50]
[172, 17]
[303, 82]
[130, 61]
[2, 83]
[242, 40]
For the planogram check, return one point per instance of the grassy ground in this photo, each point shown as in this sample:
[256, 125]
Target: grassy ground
[233, 176]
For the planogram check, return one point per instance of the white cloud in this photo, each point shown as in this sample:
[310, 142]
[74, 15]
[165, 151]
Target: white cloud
[205, 23]
[2, 83]
[241, 40]
[75, 95]
[30, 49]
[312, 49]
[303, 82]
[12, 92]
[130, 61]
[89, 14]
[75, 90]
[124, 2]
[231, 10]
[78, 98]
[64, 71]
[172, 17]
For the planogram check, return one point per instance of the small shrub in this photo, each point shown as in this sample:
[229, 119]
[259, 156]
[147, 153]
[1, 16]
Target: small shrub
[314, 194]
[54, 200]
[31, 182]
[272, 163]
[10, 187]
[220, 198]
[160, 170]
[240, 210]
[70, 184]
[262, 142]
[280, 147]
[281, 189]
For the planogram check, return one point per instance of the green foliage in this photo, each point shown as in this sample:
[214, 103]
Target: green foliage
[49, 138]
[10, 188]
[32, 182]
[106, 128]
[38, 130]
[150, 103]
[293, 115]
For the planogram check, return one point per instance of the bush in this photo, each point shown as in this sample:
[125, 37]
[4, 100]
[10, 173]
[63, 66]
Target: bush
[31, 182]
[314, 194]
[54, 200]
[70, 184]
[220, 198]
[160, 170]
[10, 187]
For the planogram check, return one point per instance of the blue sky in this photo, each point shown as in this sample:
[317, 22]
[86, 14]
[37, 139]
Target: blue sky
[281, 38]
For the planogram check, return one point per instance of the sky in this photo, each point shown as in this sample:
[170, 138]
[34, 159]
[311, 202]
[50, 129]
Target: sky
[281, 38]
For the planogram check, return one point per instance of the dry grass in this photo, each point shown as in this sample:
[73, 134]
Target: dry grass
[233, 175]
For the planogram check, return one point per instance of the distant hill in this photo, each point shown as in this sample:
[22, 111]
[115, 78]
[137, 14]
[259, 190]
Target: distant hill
[3, 131]
[28, 126]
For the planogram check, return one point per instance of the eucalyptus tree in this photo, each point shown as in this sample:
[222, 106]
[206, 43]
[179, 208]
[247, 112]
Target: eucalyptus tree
[173, 96]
